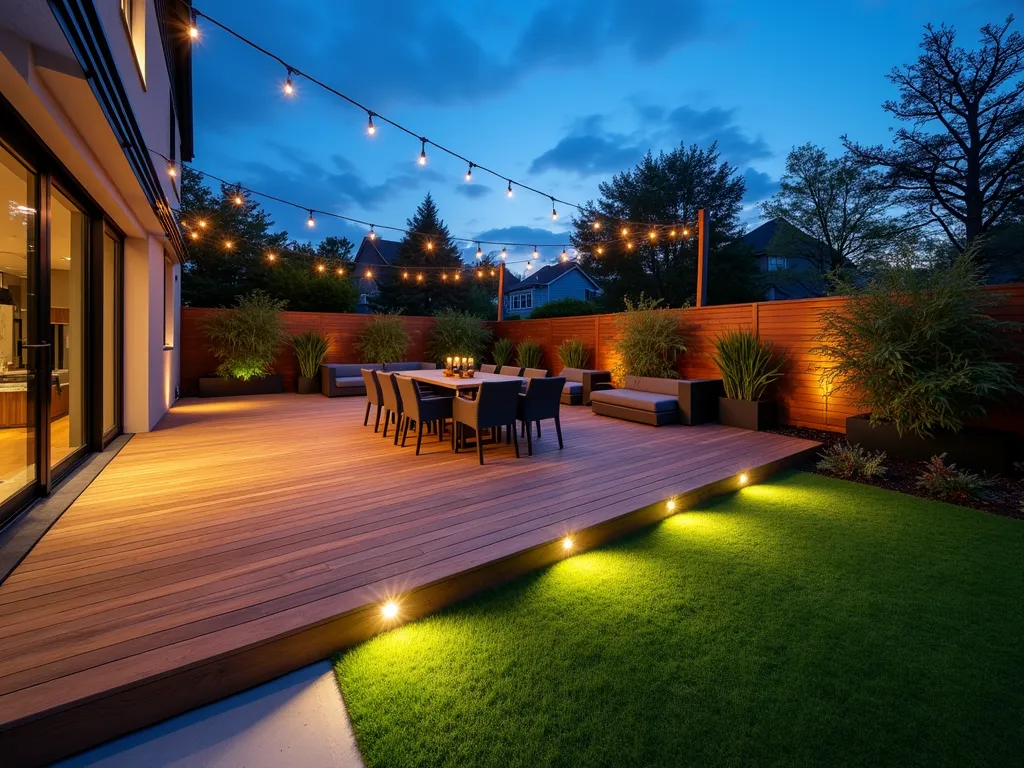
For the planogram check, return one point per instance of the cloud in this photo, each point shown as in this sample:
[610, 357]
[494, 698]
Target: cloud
[760, 186]
[588, 155]
[473, 191]
[695, 126]
[521, 234]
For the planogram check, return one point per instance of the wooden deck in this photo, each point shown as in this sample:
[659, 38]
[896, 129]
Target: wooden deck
[246, 537]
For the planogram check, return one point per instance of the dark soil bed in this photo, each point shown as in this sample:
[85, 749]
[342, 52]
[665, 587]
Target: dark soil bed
[1004, 497]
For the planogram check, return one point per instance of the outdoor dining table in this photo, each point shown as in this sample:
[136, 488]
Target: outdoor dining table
[460, 385]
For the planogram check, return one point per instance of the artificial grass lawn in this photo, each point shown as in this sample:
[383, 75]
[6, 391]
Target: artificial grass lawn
[807, 621]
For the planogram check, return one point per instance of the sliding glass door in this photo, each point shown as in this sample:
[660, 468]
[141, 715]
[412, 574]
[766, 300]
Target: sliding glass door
[21, 354]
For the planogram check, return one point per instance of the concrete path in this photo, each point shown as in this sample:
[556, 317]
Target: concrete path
[297, 720]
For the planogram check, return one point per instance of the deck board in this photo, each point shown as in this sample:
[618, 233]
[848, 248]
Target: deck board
[247, 520]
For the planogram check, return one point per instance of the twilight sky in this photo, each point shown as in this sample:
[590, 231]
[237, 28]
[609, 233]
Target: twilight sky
[560, 95]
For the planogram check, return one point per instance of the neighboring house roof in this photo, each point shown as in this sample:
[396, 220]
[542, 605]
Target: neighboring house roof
[376, 251]
[800, 243]
[547, 275]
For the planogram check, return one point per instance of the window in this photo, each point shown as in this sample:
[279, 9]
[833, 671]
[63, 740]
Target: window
[589, 295]
[521, 300]
[133, 13]
[169, 279]
[173, 153]
[776, 263]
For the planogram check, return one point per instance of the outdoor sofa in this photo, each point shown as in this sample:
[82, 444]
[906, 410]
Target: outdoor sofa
[580, 382]
[345, 379]
[660, 401]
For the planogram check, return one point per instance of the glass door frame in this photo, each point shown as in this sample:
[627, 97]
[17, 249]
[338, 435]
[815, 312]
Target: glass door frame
[19, 139]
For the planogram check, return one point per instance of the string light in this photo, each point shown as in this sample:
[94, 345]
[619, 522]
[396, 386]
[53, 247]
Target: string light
[554, 213]
[457, 276]
[171, 170]
[271, 257]
[341, 272]
[597, 224]
[228, 245]
[238, 199]
[195, 235]
[509, 188]
[629, 246]
[504, 254]
[624, 232]
[536, 253]
[372, 235]
[370, 127]
[423, 151]
[600, 250]
[369, 274]
[419, 277]
[193, 30]
[310, 222]
[528, 265]
[289, 87]
[492, 273]
[564, 256]
[479, 273]
[321, 267]
[686, 232]
[430, 245]
[479, 251]
[653, 235]
[469, 173]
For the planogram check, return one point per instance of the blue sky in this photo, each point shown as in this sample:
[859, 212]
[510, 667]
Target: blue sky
[560, 95]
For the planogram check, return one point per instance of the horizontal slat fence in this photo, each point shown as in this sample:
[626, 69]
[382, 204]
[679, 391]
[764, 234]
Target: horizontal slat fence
[790, 325]
[342, 330]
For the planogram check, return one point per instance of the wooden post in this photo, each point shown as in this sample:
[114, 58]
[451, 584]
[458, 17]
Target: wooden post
[501, 292]
[702, 258]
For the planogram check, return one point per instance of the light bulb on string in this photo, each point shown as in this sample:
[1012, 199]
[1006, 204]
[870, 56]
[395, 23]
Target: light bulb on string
[444, 276]
[419, 277]
[564, 256]
[202, 223]
[469, 173]
[237, 199]
[629, 246]
[341, 272]
[423, 152]
[405, 275]
[372, 235]
[652, 235]
[457, 276]
[600, 250]
[671, 233]
[686, 232]
[320, 267]
[479, 252]
[625, 232]
[195, 235]
[172, 171]
[193, 30]
[430, 245]
[479, 273]
[370, 127]
[228, 245]
[289, 87]
[504, 253]
[492, 273]
[554, 213]
[271, 257]
[311, 222]
[597, 224]
[509, 188]
[528, 265]
[536, 253]
[369, 274]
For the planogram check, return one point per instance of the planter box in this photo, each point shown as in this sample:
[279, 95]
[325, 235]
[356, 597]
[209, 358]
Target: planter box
[746, 414]
[214, 386]
[974, 448]
[308, 385]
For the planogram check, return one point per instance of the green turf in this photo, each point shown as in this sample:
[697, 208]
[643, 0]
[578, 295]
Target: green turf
[806, 621]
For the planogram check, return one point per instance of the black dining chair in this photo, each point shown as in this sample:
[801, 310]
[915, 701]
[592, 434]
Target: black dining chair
[494, 407]
[392, 401]
[373, 397]
[541, 401]
[421, 411]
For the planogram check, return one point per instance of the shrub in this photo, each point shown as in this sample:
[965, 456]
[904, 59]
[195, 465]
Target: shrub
[246, 337]
[383, 339]
[948, 482]
[845, 460]
[746, 364]
[567, 307]
[573, 353]
[916, 348]
[501, 353]
[649, 340]
[457, 333]
[311, 351]
[529, 354]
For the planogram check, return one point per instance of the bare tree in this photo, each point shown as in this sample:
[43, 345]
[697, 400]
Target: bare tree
[960, 163]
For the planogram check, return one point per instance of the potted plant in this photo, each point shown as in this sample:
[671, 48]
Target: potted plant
[501, 352]
[748, 365]
[529, 354]
[649, 340]
[245, 338]
[573, 354]
[459, 334]
[917, 349]
[383, 339]
[311, 351]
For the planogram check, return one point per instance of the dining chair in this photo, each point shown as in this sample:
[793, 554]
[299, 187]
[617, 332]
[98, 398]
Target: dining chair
[541, 401]
[494, 407]
[532, 373]
[373, 397]
[392, 401]
[421, 411]
[510, 370]
[488, 368]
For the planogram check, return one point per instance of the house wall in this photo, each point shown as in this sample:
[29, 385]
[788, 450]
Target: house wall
[571, 285]
[41, 78]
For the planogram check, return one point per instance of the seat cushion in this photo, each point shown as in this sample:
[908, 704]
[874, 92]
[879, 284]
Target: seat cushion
[573, 387]
[572, 374]
[650, 384]
[348, 382]
[652, 402]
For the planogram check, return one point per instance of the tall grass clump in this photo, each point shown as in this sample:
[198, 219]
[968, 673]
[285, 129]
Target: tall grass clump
[311, 350]
[384, 339]
[649, 340]
[748, 365]
[245, 338]
[573, 354]
[529, 354]
[501, 352]
[457, 333]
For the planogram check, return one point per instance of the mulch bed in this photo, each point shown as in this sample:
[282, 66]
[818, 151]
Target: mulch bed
[1004, 497]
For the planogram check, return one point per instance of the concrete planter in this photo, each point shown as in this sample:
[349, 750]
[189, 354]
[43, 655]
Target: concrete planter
[974, 448]
[754, 415]
[215, 386]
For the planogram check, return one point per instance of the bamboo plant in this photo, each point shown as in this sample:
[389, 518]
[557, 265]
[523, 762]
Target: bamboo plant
[748, 365]
[529, 354]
